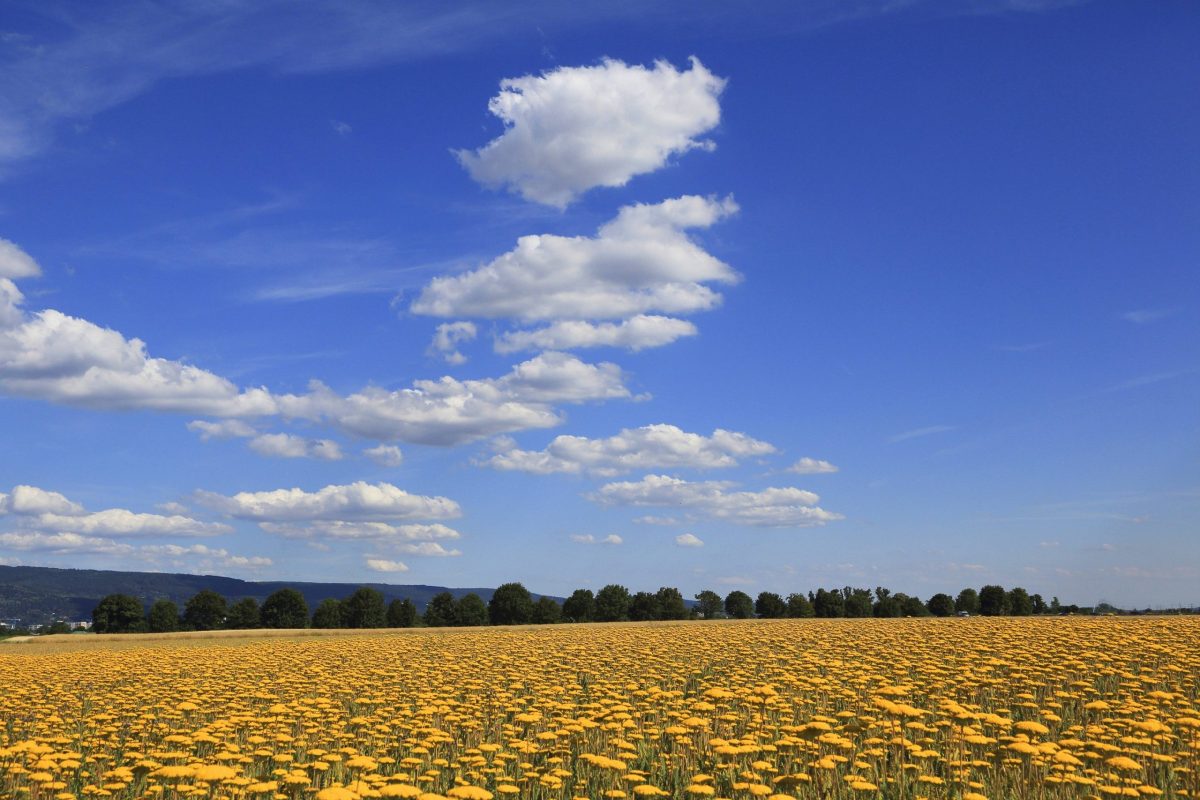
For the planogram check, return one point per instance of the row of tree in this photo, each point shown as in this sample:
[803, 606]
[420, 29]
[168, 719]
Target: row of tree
[512, 604]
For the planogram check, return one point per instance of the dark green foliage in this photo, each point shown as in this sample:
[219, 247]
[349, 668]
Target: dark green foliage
[769, 605]
[709, 604]
[328, 614]
[670, 603]
[739, 605]
[511, 604]
[941, 605]
[827, 604]
[243, 615]
[885, 605]
[911, 606]
[612, 603]
[1020, 604]
[284, 609]
[580, 606]
[58, 626]
[118, 613]
[470, 611]
[364, 609]
[799, 606]
[993, 601]
[205, 611]
[968, 601]
[1038, 604]
[857, 602]
[403, 614]
[163, 617]
[442, 611]
[546, 611]
[643, 607]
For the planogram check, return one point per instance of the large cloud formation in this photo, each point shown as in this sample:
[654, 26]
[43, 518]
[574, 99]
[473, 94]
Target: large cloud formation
[649, 447]
[786, 507]
[574, 128]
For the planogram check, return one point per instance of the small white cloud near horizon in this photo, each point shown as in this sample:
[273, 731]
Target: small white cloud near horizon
[386, 565]
[812, 466]
[637, 333]
[587, 538]
[571, 129]
[357, 502]
[688, 540]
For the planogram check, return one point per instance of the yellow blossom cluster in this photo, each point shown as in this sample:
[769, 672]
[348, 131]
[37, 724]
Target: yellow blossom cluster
[781, 710]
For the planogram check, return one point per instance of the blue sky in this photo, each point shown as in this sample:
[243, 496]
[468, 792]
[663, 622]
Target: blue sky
[824, 294]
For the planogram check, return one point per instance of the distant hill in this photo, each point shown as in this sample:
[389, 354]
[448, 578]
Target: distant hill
[42, 594]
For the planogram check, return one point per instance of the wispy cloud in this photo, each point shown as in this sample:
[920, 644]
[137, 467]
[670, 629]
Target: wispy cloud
[1148, 380]
[1145, 316]
[917, 433]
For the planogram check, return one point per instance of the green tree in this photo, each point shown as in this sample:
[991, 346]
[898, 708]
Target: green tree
[58, 626]
[993, 601]
[328, 614]
[968, 601]
[857, 602]
[612, 603]
[709, 604]
[118, 613]
[886, 604]
[470, 611]
[1020, 604]
[364, 608]
[769, 605]
[206, 611]
[739, 605]
[243, 615]
[911, 605]
[799, 606]
[511, 604]
[284, 608]
[546, 611]
[828, 604]
[163, 617]
[442, 611]
[670, 603]
[643, 606]
[580, 606]
[941, 605]
[1039, 604]
[403, 614]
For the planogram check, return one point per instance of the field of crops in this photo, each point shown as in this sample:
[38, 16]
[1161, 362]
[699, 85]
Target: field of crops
[939, 708]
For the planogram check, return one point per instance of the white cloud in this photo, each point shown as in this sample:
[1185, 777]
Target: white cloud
[688, 540]
[199, 556]
[640, 262]
[286, 445]
[447, 338]
[812, 466]
[918, 433]
[587, 538]
[16, 263]
[357, 501]
[574, 128]
[786, 507]
[386, 565]
[32, 500]
[171, 507]
[341, 128]
[651, 519]
[121, 522]
[375, 531]
[651, 446]
[385, 455]
[427, 549]
[637, 333]
[225, 429]
[63, 544]
[1141, 316]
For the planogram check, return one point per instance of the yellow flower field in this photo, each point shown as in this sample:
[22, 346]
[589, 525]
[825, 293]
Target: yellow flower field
[939, 708]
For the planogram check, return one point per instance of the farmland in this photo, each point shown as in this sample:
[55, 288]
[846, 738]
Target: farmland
[938, 708]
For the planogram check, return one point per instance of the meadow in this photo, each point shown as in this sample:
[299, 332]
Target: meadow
[940, 708]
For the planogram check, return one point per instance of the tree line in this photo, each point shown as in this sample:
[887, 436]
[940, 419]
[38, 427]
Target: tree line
[512, 604]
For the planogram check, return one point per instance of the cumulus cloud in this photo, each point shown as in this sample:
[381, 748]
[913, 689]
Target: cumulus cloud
[634, 334]
[587, 538]
[786, 507]
[16, 263]
[122, 522]
[641, 262]
[385, 455]
[63, 544]
[386, 565]
[201, 555]
[812, 466]
[225, 429]
[286, 445]
[32, 500]
[374, 531]
[651, 519]
[574, 128]
[688, 540]
[648, 447]
[196, 557]
[359, 501]
[447, 338]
